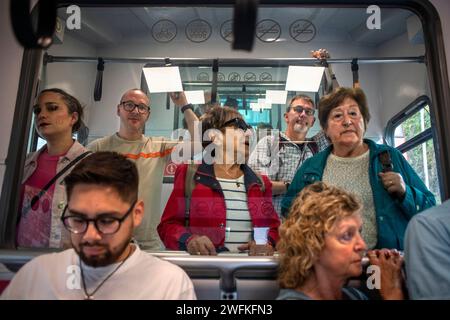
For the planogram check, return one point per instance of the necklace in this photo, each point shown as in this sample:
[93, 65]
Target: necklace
[236, 180]
[90, 296]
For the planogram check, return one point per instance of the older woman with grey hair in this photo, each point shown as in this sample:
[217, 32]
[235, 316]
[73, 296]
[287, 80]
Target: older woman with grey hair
[389, 187]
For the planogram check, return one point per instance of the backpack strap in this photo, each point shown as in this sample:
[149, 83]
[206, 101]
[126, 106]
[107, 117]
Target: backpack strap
[189, 185]
[313, 146]
[261, 181]
[280, 141]
[386, 161]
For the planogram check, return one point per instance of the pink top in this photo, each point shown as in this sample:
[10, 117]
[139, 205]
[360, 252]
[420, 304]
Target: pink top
[35, 223]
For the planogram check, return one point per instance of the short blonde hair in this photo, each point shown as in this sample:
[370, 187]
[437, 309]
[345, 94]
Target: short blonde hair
[302, 236]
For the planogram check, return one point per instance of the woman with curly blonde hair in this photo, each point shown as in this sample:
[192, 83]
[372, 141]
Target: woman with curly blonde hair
[321, 248]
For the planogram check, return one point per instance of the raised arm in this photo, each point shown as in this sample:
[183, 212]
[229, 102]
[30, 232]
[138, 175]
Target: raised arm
[322, 55]
[179, 99]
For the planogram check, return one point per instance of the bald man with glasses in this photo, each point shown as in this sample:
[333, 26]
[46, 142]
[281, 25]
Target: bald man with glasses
[150, 154]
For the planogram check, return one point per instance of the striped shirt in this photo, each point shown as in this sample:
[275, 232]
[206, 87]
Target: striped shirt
[238, 221]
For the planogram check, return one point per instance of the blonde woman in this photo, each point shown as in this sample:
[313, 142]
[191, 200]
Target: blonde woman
[321, 248]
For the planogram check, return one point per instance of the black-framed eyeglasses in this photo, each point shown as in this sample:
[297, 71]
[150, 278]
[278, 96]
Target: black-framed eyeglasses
[300, 109]
[130, 106]
[238, 123]
[104, 223]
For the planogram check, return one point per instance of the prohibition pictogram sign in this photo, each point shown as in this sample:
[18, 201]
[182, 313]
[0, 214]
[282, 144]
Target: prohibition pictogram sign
[164, 30]
[265, 76]
[250, 76]
[220, 76]
[226, 31]
[268, 30]
[302, 30]
[234, 76]
[203, 76]
[198, 30]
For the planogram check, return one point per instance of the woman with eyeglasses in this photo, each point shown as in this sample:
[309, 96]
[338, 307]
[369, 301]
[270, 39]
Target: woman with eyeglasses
[389, 187]
[221, 204]
[57, 117]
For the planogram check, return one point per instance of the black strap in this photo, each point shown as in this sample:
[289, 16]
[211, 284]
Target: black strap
[188, 106]
[244, 24]
[215, 70]
[244, 99]
[56, 177]
[313, 146]
[99, 80]
[189, 185]
[355, 72]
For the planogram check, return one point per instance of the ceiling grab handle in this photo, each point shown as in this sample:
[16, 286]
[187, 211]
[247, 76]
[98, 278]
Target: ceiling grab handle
[99, 80]
[244, 24]
[244, 100]
[355, 72]
[167, 63]
[22, 25]
[215, 70]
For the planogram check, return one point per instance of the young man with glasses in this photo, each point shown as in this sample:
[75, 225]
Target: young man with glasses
[279, 156]
[102, 211]
[149, 153]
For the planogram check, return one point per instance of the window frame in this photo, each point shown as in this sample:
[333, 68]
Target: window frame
[402, 116]
[420, 138]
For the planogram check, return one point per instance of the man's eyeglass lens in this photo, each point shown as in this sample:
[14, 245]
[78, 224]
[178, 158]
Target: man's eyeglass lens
[300, 109]
[129, 106]
[105, 225]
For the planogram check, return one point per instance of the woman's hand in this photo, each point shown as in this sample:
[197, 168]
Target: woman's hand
[257, 249]
[393, 183]
[201, 245]
[390, 263]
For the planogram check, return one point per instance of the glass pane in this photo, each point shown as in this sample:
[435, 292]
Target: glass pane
[422, 159]
[135, 37]
[412, 126]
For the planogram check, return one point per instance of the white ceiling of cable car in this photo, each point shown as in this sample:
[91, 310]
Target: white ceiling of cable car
[109, 26]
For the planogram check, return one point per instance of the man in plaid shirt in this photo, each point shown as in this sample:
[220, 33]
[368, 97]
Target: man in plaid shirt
[280, 155]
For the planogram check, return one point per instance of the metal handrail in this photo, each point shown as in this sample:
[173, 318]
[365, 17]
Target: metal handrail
[263, 62]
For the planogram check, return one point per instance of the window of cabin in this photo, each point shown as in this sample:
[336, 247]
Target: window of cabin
[411, 132]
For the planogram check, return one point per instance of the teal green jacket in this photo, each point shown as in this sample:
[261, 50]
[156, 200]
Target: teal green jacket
[392, 215]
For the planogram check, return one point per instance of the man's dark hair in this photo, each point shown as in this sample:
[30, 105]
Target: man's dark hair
[72, 104]
[215, 119]
[108, 169]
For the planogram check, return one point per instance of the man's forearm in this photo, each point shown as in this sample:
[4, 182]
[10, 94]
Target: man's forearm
[194, 128]
[191, 120]
[278, 187]
[334, 83]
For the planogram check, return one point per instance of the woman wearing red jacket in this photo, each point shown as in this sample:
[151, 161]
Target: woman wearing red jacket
[230, 205]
